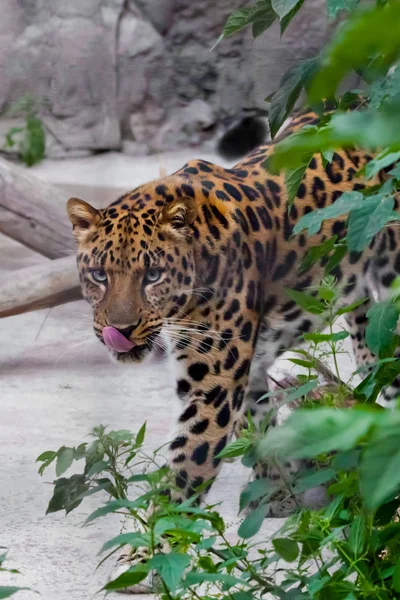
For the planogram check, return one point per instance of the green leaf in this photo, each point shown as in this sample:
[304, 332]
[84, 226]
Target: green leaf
[152, 477]
[351, 307]
[242, 596]
[325, 292]
[377, 32]
[336, 258]
[396, 577]
[236, 21]
[68, 493]
[293, 178]
[33, 146]
[367, 128]
[164, 524]
[386, 535]
[302, 363]
[309, 433]
[395, 172]
[378, 484]
[381, 161]
[386, 512]
[326, 337]
[254, 491]
[356, 539]
[170, 567]
[10, 135]
[9, 590]
[140, 435]
[316, 584]
[114, 505]
[284, 99]
[134, 539]
[193, 578]
[336, 6]
[288, 18]
[346, 461]
[313, 221]
[385, 89]
[121, 435]
[206, 543]
[307, 302]
[286, 548]
[283, 7]
[139, 477]
[65, 457]
[133, 576]
[308, 482]
[98, 467]
[366, 221]
[46, 456]
[303, 390]
[236, 448]
[327, 155]
[252, 523]
[262, 17]
[315, 254]
[382, 322]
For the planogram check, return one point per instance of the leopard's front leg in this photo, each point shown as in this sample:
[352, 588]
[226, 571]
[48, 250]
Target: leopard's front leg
[213, 391]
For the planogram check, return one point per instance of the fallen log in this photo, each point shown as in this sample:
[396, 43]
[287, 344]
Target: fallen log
[42, 286]
[33, 212]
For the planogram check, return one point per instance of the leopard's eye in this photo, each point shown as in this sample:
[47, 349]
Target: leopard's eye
[99, 275]
[152, 275]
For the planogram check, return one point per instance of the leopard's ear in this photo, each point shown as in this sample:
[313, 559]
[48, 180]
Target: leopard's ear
[178, 215]
[83, 217]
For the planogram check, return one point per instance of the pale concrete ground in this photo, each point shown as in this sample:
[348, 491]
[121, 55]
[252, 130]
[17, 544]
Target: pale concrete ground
[56, 383]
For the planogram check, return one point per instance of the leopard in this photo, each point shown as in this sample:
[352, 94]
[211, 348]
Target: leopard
[204, 257]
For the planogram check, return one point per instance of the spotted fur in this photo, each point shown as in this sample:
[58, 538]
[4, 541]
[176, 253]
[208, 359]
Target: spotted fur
[221, 242]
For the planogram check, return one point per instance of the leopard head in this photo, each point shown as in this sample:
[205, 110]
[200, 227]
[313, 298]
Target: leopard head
[136, 266]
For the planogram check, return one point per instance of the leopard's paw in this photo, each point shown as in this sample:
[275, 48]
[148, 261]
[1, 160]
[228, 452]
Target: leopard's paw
[131, 557]
[282, 505]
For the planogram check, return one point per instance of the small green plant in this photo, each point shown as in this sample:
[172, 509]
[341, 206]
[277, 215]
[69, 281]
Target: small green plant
[6, 591]
[348, 549]
[29, 140]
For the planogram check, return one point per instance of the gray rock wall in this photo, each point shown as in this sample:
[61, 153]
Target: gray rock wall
[139, 74]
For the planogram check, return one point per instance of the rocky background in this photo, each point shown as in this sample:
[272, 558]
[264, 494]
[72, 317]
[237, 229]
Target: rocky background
[138, 75]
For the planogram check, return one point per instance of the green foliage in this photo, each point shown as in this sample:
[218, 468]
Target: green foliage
[293, 178]
[336, 6]
[313, 220]
[286, 548]
[315, 253]
[283, 100]
[252, 523]
[367, 220]
[6, 591]
[377, 35]
[382, 321]
[30, 140]
[382, 160]
[367, 129]
[309, 303]
[131, 577]
[261, 16]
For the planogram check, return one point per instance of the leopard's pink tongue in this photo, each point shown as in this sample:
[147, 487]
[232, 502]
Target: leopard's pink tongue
[115, 340]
